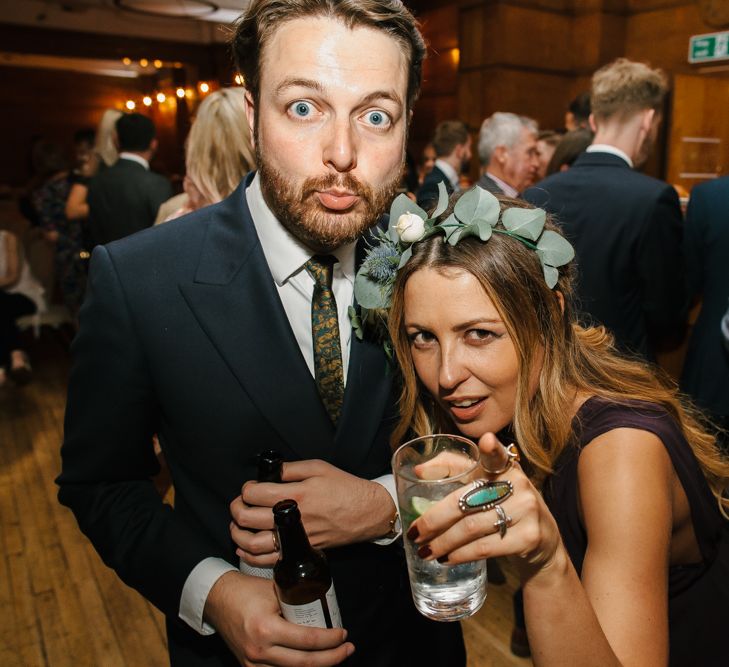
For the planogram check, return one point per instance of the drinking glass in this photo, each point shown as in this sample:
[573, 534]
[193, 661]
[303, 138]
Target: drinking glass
[426, 470]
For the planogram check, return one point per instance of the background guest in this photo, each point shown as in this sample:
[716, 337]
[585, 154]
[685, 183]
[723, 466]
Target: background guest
[104, 155]
[571, 145]
[66, 235]
[577, 116]
[125, 197]
[547, 141]
[20, 294]
[626, 227]
[507, 148]
[706, 244]
[452, 145]
[218, 154]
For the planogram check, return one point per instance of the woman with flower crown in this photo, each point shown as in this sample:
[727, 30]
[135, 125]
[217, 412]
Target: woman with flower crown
[616, 515]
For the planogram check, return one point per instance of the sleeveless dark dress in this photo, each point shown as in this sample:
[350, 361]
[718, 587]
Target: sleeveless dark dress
[698, 605]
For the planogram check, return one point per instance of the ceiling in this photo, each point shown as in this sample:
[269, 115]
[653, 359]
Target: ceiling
[196, 21]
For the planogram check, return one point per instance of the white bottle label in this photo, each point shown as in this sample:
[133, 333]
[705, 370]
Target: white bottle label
[312, 614]
[252, 571]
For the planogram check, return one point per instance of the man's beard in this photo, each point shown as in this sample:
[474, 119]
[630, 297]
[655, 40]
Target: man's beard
[300, 212]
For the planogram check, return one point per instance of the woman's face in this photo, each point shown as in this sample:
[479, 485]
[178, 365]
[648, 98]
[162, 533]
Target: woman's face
[462, 352]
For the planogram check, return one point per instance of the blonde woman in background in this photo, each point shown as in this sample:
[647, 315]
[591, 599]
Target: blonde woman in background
[104, 155]
[218, 154]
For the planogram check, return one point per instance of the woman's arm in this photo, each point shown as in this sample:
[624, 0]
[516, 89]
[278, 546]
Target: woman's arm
[12, 261]
[625, 481]
[76, 206]
[618, 613]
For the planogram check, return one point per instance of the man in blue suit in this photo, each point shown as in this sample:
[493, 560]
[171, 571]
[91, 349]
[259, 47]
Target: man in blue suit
[706, 369]
[452, 145]
[205, 332]
[626, 227]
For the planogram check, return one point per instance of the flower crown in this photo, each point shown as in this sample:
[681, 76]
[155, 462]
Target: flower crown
[476, 213]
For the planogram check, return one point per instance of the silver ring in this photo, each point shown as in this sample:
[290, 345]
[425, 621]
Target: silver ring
[504, 521]
[276, 545]
[512, 454]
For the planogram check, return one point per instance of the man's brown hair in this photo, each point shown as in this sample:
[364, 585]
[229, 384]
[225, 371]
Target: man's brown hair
[448, 135]
[624, 87]
[263, 17]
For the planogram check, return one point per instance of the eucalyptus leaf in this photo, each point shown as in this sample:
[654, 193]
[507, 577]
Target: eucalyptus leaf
[477, 203]
[551, 275]
[526, 222]
[356, 322]
[402, 204]
[554, 249]
[484, 229]
[406, 255]
[370, 294]
[455, 235]
[442, 200]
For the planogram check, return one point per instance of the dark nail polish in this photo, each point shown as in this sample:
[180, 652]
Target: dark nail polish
[413, 533]
[425, 551]
[443, 560]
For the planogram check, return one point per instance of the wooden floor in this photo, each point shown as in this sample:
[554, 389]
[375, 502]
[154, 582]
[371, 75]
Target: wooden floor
[60, 605]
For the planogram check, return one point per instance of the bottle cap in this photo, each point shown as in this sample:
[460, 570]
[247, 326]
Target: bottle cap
[286, 513]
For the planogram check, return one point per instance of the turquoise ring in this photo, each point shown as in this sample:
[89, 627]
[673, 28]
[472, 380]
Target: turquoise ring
[485, 495]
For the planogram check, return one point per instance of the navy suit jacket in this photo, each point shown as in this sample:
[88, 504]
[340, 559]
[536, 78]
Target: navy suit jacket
[706, 370]
[183, 334]
[627, 230]
[428, 193]
[124, 199]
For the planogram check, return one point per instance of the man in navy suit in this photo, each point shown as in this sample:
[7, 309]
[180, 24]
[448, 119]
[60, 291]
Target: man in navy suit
[202, 332]
[706, 369]
[452, 145]
[125, 197]
[625, 226]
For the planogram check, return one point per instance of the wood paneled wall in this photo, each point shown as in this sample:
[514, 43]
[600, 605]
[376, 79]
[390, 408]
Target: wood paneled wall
[533, 56]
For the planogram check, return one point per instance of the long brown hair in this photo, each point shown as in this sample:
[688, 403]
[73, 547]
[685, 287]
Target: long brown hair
[575, 359]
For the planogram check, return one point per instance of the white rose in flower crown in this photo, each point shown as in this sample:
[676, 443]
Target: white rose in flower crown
[410, 227]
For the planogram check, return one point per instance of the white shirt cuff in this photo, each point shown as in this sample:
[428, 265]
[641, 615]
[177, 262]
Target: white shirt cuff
[388, 481]
[196, 589]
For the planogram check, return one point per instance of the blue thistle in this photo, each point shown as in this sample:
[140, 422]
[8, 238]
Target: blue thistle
[381, 263]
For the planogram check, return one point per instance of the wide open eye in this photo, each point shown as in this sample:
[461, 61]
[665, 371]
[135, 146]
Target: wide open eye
[377, 118]
[301, 109]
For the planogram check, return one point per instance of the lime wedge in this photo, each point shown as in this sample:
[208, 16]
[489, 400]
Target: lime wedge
[421, 505]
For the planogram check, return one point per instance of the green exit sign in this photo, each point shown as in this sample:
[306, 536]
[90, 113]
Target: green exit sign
[708, 48]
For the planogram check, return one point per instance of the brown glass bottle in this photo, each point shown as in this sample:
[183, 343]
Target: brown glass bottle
[303, 582]
[269, 470]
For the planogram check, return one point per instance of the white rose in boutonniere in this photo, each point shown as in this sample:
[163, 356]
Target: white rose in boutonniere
[410, 227]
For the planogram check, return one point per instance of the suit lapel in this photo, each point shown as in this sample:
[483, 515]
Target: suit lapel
[234, 298]
[367, 390]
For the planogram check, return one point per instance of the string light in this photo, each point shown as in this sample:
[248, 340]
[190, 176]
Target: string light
[127, 61]
[180, 92]
[188, 93]
[131, 105]
[147, 101]
[143, 62]
[161, 97]
[158, 64]
[204, 87]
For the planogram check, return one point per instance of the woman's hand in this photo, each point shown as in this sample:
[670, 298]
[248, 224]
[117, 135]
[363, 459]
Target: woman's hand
[454, 537]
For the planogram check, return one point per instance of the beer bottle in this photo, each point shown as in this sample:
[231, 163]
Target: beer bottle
[269, 470]
[303, 582]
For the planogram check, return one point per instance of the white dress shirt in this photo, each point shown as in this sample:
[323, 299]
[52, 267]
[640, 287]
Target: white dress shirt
[134, 157]
[613, 150]
[503, 186]
[286, 257]
[450, 173]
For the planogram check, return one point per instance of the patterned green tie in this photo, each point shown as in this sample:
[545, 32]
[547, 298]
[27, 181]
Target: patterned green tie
[325, 335]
